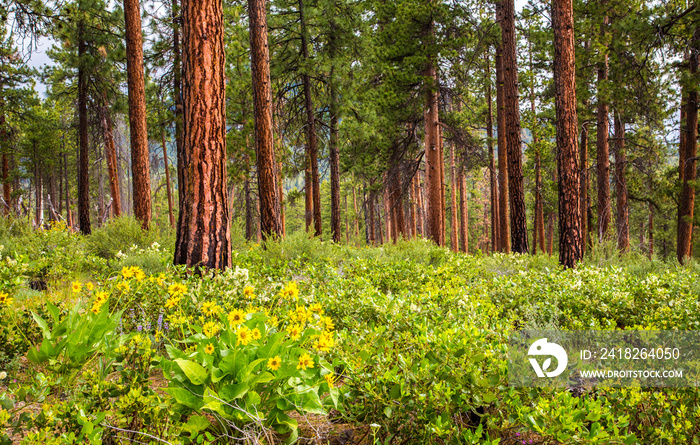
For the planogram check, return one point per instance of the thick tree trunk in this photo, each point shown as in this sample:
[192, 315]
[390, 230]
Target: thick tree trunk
[567, 133]
[687, 198]
[171, 216]
[84, 156]
[623, 212]
[518, 220]
[495, 226]
[503, 210]
[140, 162]
[333, 141]
[268, 190]
[602, 148]
[203, 233]
[308, 188]
[111, 155]
[433, 162]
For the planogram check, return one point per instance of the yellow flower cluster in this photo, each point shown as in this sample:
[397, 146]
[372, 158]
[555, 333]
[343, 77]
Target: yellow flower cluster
[324, 342]
[5, 299]
[76, 286]
[100, 299]
[177, 290]
[249, 292]
[290, 291]
[274, 363]
[244, 335]
[172, 302]
[305, 361]
[210, 308]
[123, 286]
[210, 329]
[330, 379]
[236, 317]
[209, 349]
[133, 272]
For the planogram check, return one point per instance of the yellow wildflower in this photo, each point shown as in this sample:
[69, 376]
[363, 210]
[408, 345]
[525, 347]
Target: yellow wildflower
[127, 272]
[305, 361]
[244, 335]
[316, 307]
[123, 286]
[76, 286]
[89, 285]
[236, 317]
[324, 342]
[139, 274]
[290, 290]
[330, 379]
[328, 321]
[294, 331]
[273, 321]
[248, 292]
[157, 335]
[5, 299]
[177, 289]
[172, 302]
[210, 308]
[209, 349]
[256, 334]
[274, 363]
[101, 296]
[210, 329]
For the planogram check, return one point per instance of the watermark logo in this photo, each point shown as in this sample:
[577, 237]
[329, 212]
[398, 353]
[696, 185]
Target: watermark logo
[542, 347]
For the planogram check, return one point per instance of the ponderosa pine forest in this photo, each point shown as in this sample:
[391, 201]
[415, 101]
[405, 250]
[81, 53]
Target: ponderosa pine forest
[270, 221]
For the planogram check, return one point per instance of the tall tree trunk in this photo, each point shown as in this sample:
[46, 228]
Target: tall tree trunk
[347, 222]
[464, 211]
[687, 199]
[311, 143]
[111, 155]
[171, 216]
[503, 210]
[84, 157]
[390, 234]
[443, 201]
[495, 226]
[308, 187]
[538, 237]
[140, 162]
[333, 141]
[5, 165]
[602, 148]
[433, 161]
[100, 187]
[567, 133]
[203, 233]
[518, 220]
[623, 212]
[268, 190]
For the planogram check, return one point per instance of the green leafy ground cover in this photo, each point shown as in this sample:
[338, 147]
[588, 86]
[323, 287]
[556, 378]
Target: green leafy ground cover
[405, 343]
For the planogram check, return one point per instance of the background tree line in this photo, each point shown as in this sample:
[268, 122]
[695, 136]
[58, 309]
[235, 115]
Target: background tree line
[360, 121]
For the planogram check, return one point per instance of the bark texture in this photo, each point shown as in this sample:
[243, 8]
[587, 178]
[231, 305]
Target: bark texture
[83, 149]
[518, 220]
[268, 190]
[433, 163]
[567, 135]
[687, 201]
[140, 162]
[602, 148]
[203, 232]
[504, 232]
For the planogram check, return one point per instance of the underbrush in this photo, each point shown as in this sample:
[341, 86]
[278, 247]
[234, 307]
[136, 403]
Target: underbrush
[408, 342]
